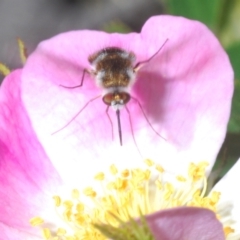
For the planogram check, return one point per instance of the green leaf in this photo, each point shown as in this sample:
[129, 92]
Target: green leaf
[234, 122]
[116, 26]
[234, 55]
[227, 157]
[229, 31]
[206, 11]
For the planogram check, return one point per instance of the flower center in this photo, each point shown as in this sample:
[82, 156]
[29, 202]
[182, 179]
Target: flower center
[129, 194]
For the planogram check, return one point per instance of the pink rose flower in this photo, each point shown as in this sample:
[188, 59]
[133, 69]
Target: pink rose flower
[185, 91]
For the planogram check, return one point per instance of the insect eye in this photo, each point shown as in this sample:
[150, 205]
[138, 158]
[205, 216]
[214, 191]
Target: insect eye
[116, 98]
[108, 98]
[125, 97]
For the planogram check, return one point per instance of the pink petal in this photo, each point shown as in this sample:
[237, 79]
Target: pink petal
[185, 223]
[175, 89]
[26, 174]
[229, 204]
[185, 90]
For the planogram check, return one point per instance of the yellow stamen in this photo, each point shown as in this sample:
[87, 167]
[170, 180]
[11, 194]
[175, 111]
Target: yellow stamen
[36, 221]
[228, 230]
[129, 194]
[46, 233]
[75, 194]
[149, 162]
[159, 168]
[90, 192]
[113, 169]
[100, 176]
[61, 232]
[181, 179]
[125, 173]
[197, 172]
[57, 201]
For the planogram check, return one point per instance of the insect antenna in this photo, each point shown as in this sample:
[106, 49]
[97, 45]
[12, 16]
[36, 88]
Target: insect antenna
[71, 120]
[131, 126]
[139, 64]
[144, 114]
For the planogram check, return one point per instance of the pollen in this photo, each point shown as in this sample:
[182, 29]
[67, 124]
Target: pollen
[128, 194]
[36, 221]
[100, 176]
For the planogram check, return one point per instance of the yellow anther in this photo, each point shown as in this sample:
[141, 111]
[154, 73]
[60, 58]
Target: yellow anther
[181, 179]
[159, 184]
[57, 201]
[113, 170]
[90, 192]
[197, 193]
[75, 194]
[159, 168]
[228, 230]
[138, 175]
[80, 207]
[197, 171]
[61, 232]
[72, 238]
[149, 162]
[46, 233]
[215, 197]
[168, 191]
[68, 204]
[125, 173]
[100, 176]
[80, 219]
[121, 184]
[67, 214]
[169, 187]
[131, 193]
[36, 221]
[105, 201]
[147, 174]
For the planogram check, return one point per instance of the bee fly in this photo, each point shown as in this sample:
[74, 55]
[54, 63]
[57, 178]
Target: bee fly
[114, 71]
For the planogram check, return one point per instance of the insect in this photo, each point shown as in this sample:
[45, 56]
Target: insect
[115, 73]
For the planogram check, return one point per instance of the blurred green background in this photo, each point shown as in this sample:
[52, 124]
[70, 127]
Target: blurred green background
[34, 21]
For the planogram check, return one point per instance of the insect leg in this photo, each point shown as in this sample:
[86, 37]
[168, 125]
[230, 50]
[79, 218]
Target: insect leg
[140, 106]
[80, 85]
[71, 120]
[109, 120]
[131, 126]
[139, 64]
